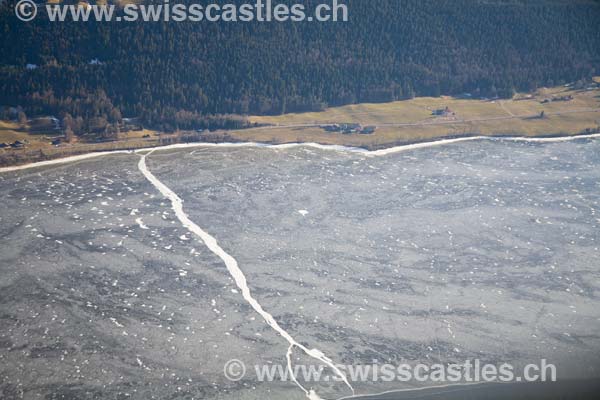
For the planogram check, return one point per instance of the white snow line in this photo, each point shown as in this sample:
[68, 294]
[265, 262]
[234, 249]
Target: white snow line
[382, 152]
[61, 160]
[236, 273]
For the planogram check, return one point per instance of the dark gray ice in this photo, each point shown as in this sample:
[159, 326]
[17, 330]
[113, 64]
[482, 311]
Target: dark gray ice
[483, 250]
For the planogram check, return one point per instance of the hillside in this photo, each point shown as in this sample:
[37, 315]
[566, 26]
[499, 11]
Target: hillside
[175, 75]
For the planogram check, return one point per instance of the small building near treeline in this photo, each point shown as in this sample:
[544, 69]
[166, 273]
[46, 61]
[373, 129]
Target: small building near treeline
[17, 144]
[368, 130]
[443, 112]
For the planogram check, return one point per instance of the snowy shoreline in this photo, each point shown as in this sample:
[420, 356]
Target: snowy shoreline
[359, 150]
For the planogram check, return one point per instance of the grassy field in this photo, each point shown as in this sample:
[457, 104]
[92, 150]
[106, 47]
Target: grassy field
[38, 134]
[412, 120]
[397, 122]
[9, 132]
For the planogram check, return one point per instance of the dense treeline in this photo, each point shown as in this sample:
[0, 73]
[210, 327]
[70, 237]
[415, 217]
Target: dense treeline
[190, 75]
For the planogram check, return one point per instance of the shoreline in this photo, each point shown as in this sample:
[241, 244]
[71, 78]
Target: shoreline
[568, 389]
[385, 150]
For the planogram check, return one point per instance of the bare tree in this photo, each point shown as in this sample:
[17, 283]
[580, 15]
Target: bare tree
[67, 121]
[22, 118]
[115, 116]
[69, 134]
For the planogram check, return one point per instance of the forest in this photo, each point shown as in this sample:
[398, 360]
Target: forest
[192, 75]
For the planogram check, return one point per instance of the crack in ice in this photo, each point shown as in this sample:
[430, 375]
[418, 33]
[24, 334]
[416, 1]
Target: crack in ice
[240, 279]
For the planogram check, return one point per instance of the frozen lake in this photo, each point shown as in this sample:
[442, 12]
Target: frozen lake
[482, 249]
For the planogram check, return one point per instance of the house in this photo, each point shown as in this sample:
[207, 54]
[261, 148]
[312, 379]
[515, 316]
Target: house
[331, 128]
[4, 145]
[368, 130]
[56, 142]
[346, 129]
[17, 144]
[350, 128]
[443, 112]
[563, 98]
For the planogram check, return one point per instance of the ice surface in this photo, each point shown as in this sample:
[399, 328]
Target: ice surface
[482, 250]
